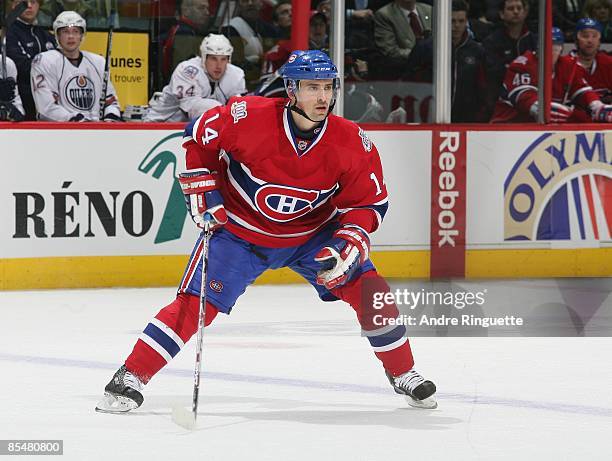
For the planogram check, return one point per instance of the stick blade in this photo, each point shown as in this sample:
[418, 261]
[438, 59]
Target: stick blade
[184, 417]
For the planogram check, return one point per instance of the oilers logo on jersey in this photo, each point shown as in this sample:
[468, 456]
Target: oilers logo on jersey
[560, 189]
[80, 92]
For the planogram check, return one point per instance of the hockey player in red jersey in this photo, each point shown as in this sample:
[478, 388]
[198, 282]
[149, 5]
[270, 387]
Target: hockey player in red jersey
[285, 184]
[597, 64]
[519, 100]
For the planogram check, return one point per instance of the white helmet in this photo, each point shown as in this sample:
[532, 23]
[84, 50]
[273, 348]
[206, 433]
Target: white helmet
[216, 44]
[69, 19]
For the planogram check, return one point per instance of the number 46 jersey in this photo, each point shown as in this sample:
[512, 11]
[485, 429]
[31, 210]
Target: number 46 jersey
[279, 189]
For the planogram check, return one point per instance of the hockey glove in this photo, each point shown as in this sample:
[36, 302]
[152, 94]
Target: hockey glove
[203, 199]
[79, 118]
[601, 112]
[111, 118]
[348, 249]
[7, 89]
[8, 112]
[559, 113]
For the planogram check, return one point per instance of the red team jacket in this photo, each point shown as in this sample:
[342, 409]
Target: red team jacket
[569, 87]
[279, 190]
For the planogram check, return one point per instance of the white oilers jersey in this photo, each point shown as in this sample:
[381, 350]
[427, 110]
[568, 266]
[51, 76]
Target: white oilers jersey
[191, 92]
[11, 72]
[63, 90]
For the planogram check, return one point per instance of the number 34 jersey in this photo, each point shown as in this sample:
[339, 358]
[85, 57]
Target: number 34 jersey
[279, 189]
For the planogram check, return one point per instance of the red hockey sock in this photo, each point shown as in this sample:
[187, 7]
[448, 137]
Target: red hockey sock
[390, 343]
[166, 335]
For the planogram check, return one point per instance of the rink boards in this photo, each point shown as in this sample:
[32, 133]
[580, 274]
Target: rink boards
[98, 205]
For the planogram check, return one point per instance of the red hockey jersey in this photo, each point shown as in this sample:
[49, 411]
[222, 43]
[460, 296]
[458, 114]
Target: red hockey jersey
[599, 77]
[279, 190]
[520, 90]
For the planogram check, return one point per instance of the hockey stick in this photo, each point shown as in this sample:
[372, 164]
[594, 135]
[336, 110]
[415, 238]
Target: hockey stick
[180, 415]
[8, 22]
[109, 46]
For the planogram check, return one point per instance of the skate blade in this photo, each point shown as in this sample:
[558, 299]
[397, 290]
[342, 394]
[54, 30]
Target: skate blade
[115, 404]
[429, 403]
[184, 418]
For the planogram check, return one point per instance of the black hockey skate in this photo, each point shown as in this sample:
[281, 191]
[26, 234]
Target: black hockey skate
[122, 394]
[417, 391]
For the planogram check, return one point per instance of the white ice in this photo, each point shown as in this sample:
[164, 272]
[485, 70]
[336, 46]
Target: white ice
[287, 377]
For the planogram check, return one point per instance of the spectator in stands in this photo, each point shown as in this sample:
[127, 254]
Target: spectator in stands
[478, 23]
[359, 26]
[11, 107]
[397, 28]
[183, 39]
[598, 64]
[468, 79]
[601, 11]
[510, 40]
[50, 9]
[519, 101]
[281, 18]
[318, 38]
[24, 40]
[250, 37]
[199, 84]
[565, 15]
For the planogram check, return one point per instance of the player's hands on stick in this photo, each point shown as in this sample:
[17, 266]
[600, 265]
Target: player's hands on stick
[202, 197]
[7, 89]
[601, 112]
[348, 249]
[559, 113]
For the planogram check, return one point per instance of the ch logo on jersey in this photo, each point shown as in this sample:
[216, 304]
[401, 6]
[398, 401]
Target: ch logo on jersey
[559, 189]
[239, 110]
[282, 203]
[80, 92]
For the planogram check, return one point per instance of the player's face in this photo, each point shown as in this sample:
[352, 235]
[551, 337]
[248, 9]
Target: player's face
[314, 98]
[216, 65]
[29, 15]
[556, 52]
[70, 38]
[588, 41]
[458, 25]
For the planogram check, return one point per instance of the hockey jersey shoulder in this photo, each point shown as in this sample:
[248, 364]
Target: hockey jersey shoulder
[526, 60]
[98, 61]
[189, 68]
[354, 138]
[48, 59]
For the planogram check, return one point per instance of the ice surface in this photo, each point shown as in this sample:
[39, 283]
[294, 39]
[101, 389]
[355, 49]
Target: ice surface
[287, 377]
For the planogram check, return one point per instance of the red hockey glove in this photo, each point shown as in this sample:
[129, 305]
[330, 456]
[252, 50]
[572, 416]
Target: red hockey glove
[601, 112]
[348, 249]
[203, 200]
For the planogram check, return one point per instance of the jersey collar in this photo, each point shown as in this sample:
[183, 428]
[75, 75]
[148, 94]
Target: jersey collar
[288, 124]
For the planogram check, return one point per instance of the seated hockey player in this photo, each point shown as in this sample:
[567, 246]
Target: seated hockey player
[11, 108]
[285, 183]
[67, 83]
[199, 84]
[519, 100]
[597, 63]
